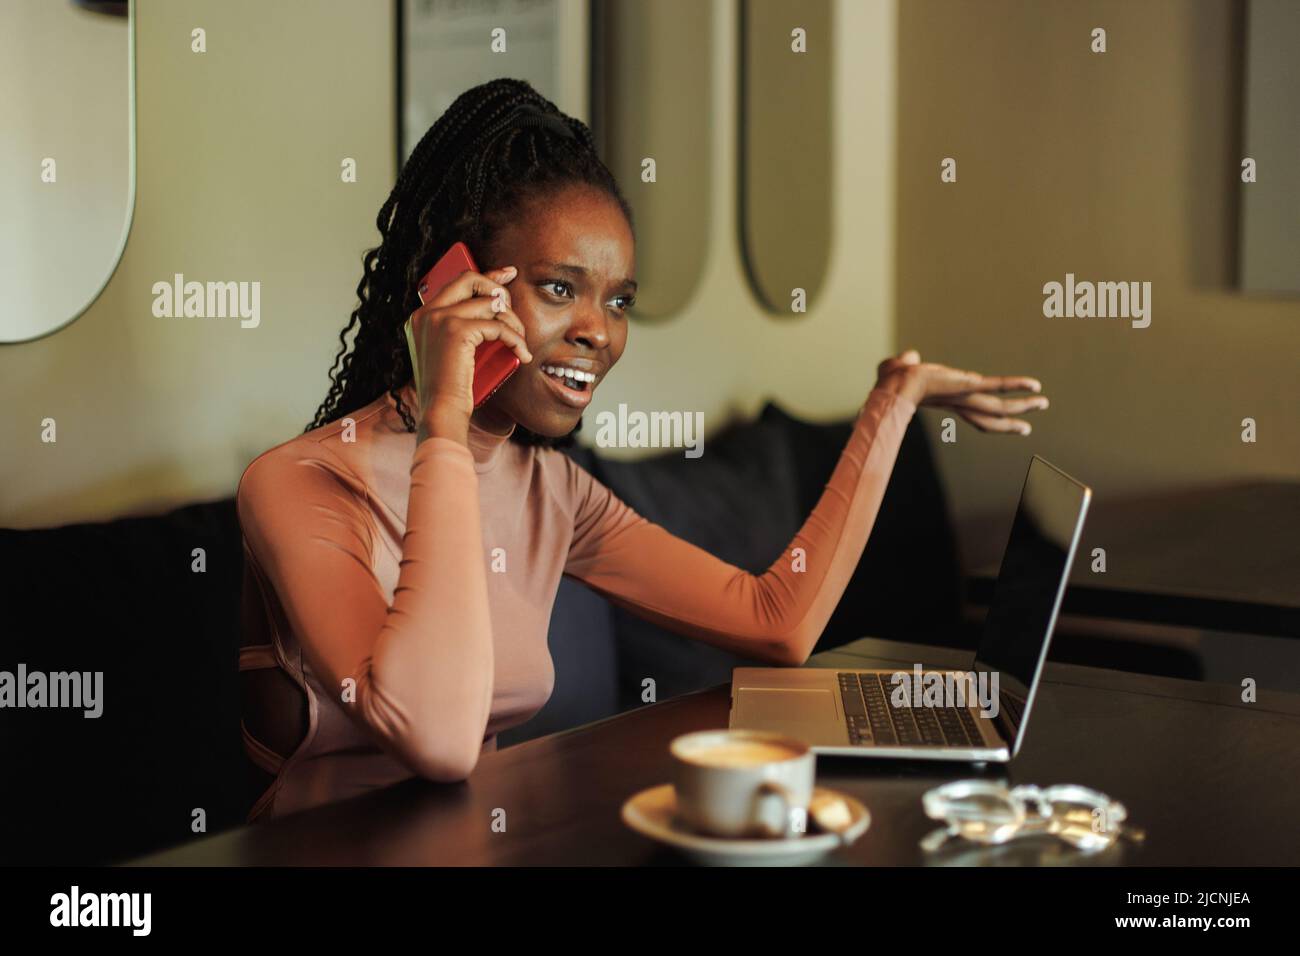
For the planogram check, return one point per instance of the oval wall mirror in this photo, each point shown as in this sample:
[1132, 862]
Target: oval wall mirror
[787, 67]
[67, 157]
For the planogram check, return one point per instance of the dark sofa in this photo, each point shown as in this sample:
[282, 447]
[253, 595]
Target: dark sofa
[121, 597]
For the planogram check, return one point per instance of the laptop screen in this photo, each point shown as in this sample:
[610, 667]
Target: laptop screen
[1028, 592]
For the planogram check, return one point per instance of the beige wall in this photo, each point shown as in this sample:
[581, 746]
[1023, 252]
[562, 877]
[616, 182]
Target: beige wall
[1111, 167]
[1116, 166]
[238, 179]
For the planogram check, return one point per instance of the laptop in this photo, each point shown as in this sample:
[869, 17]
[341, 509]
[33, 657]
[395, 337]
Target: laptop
[979, 714]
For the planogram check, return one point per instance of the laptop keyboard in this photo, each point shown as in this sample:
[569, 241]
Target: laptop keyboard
[1014, 708]
[873, 720]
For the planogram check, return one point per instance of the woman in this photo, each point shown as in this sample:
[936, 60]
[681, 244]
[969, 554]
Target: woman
[403, 554]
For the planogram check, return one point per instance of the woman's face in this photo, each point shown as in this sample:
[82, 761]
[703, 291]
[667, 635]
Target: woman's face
[574, 252]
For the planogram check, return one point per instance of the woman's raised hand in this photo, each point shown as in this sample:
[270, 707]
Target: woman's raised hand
[445, 332]
[970, 394]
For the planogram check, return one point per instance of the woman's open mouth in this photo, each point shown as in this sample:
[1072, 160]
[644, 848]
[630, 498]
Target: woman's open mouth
[570, 385]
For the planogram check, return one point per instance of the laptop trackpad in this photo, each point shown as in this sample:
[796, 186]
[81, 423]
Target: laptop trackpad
[807, 714]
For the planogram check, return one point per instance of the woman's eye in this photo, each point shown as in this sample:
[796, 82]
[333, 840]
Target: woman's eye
[563, 290]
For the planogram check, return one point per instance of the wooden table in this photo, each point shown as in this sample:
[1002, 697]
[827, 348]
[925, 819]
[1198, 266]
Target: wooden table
[1212, 779]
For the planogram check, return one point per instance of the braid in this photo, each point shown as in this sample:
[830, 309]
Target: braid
[495, 147]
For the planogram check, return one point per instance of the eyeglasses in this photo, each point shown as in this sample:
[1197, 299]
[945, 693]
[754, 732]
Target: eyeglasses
[984, 811]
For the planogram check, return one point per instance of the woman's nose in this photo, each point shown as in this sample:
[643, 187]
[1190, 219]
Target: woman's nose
[589, 327]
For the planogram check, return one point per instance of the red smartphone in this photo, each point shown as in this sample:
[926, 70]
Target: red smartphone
[494, 362]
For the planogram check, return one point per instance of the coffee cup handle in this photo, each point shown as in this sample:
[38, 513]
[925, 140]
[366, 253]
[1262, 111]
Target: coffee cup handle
[791, 816]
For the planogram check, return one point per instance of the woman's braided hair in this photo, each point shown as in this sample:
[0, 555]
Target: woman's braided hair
[495, 147]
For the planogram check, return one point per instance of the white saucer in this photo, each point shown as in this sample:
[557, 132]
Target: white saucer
[653, 813]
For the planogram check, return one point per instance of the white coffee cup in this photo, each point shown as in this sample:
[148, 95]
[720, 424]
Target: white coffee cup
[743, 783]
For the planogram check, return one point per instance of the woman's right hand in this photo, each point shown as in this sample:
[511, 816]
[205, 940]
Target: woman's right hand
[445, 332]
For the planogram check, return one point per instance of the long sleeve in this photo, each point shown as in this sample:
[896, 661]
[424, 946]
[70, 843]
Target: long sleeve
[777, 615]
[423, 667]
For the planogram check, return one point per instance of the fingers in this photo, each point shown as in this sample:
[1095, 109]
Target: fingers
[945, 382]
[491, 309]
[992, 404]
[1007, 383]
[992, 413]
[470, 285]
[484, 296]
[478, 308]
[974, 396]
[491, 330]
[995, 423]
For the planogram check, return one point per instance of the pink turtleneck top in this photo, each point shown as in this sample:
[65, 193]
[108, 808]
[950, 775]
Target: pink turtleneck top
[407, 590]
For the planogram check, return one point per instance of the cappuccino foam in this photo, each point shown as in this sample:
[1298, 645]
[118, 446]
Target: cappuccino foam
[740, 753]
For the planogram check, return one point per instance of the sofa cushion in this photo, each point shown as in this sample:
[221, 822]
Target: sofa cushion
[908, 585]
[739, 501]
[121, 598]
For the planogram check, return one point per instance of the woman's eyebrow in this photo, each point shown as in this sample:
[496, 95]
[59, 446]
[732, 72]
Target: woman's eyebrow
[566, 269]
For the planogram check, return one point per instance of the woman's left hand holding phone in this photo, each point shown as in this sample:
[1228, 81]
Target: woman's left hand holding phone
[445, 333]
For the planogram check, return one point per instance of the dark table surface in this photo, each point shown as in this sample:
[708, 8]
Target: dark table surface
[1210, 778]
[1225, 557]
